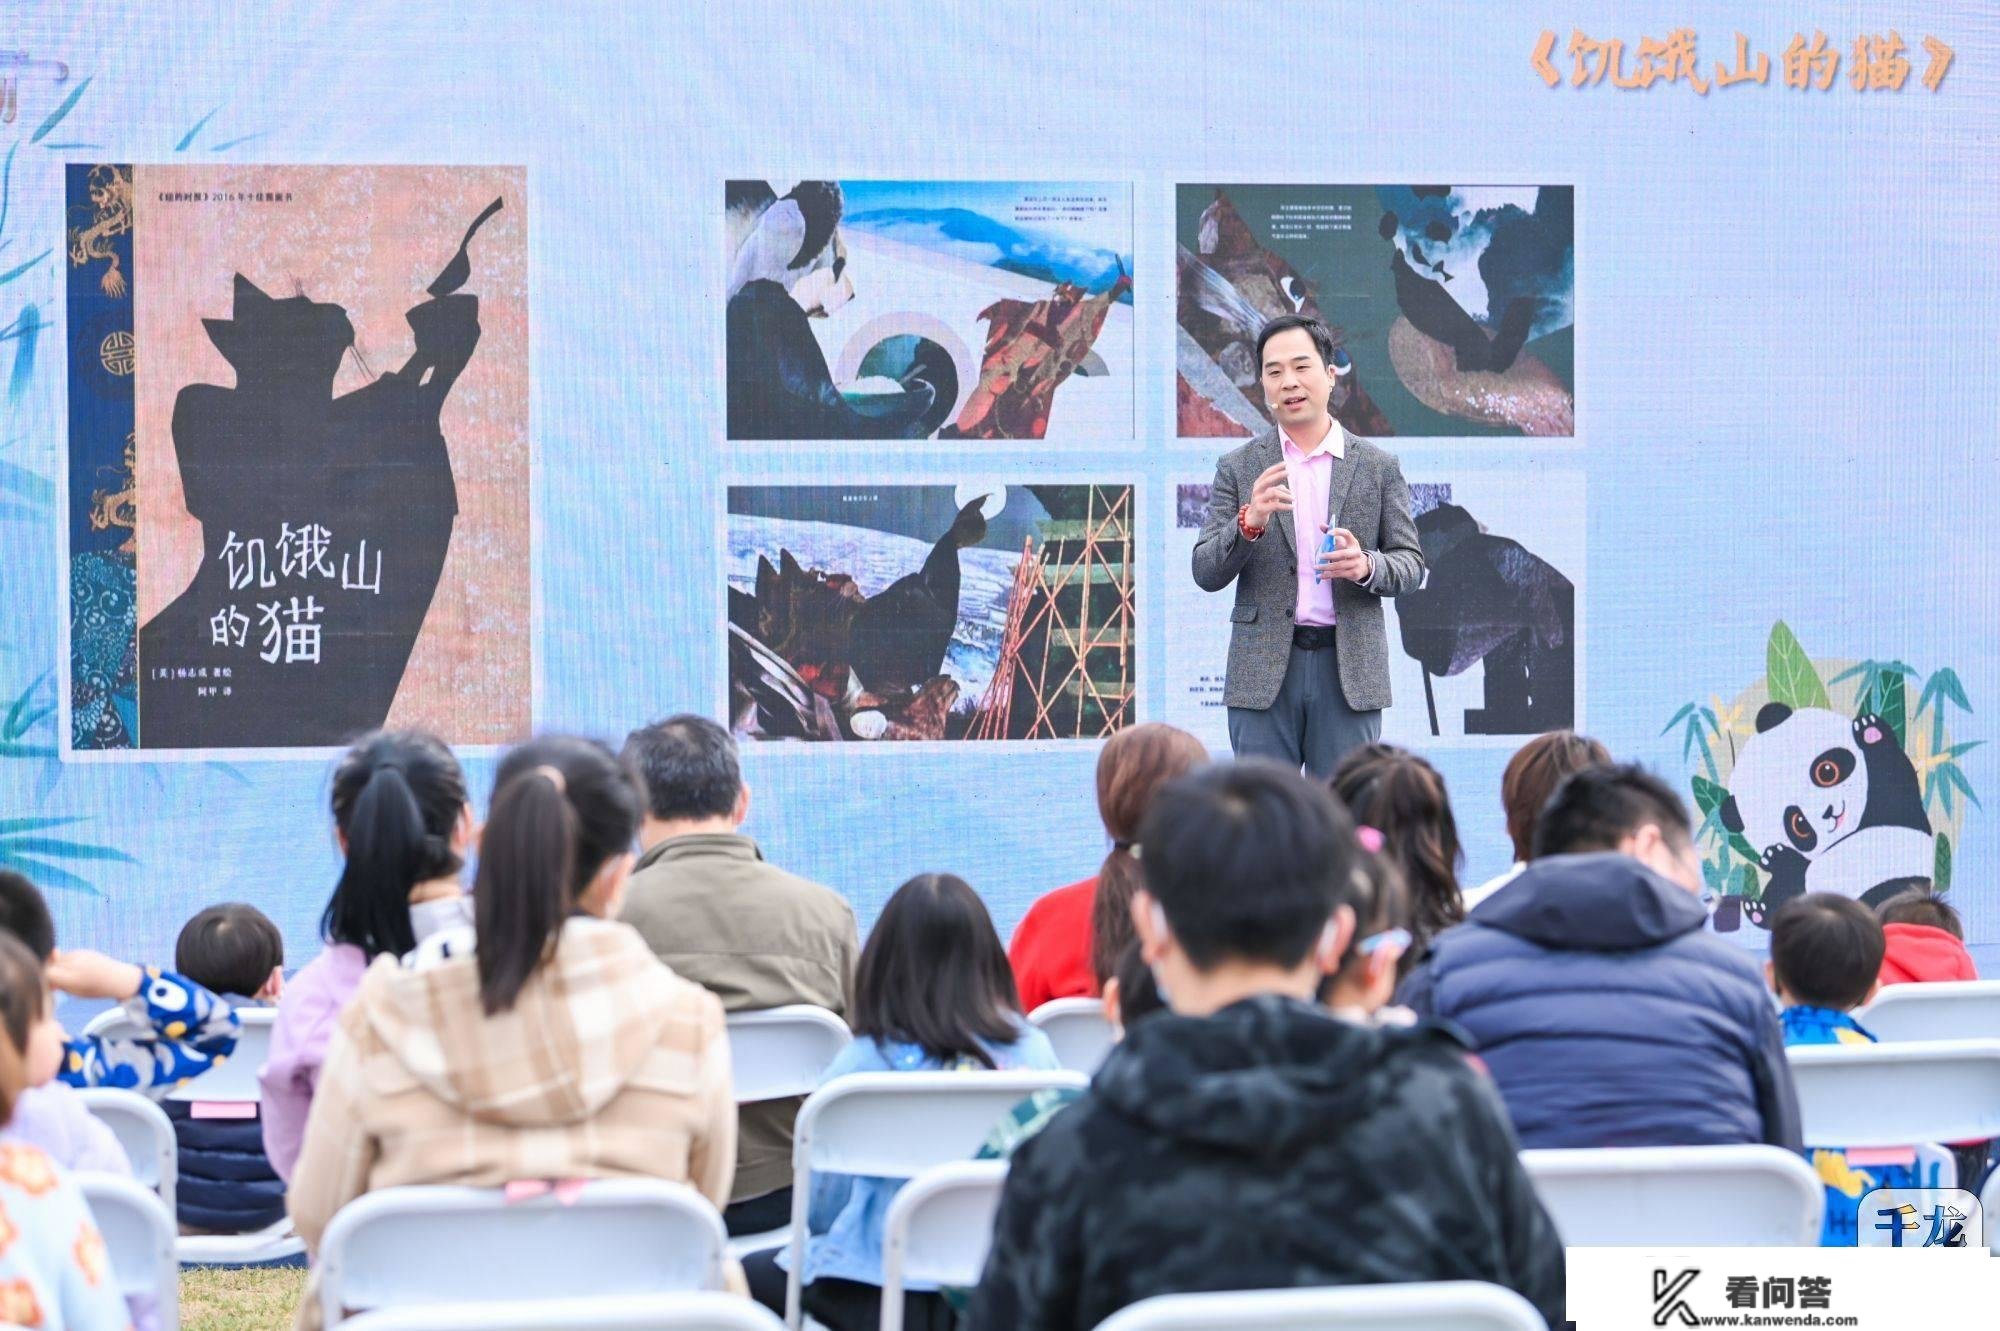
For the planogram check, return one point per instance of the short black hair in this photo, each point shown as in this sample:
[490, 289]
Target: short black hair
[24, 914]
[1917, 906]
[230, 949]
[1826, 950]
[1322, 336]
[1597, 807]
[689, 766]
[1248, 860]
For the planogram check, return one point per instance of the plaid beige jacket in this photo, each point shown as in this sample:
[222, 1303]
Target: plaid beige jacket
[609, 1065]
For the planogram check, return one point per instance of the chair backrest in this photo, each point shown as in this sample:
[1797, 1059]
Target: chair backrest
[1950, 1010]
[665, 1312]
[782, 1051]
[231, 1081]
[1989, 1203]
[1898, 1094]
[1673, 1196]
[938, 1230]
[138, 1232]
[1079, 1030]
[896, 1125]
[405, 1247]
[146, 1133]
[1459, 1305]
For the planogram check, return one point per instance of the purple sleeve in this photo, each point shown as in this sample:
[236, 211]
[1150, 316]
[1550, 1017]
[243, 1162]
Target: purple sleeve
[307, 1015]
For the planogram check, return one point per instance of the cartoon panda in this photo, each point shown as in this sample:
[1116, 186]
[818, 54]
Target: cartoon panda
[1834, 806]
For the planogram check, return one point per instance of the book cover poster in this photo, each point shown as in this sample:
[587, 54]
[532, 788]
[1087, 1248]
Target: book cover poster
[929, 309]
[1453, 307]
[299, 455]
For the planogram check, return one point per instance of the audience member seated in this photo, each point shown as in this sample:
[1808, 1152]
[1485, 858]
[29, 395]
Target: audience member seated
[55, 1272]
[1532, 775]
[227, 1185]
[1923, 941]
[186, 1029]
[932, 991]
[47, 1113]
[1826, 952]
[1360, 988]
[709, 905]
[549, 1044]
[1248, 1138]
[403, 821]
[1403, 797]
[1070, 939]
[1607, 1012]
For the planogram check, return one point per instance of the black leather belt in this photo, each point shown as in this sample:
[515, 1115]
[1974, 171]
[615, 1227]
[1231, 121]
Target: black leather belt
[1312, 637]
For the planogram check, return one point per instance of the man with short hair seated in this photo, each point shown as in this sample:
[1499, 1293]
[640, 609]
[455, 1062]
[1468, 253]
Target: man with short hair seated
[1607, 1012]
[1247, 1138]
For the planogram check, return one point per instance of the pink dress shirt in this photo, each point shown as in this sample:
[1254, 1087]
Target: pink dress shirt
[1310, 476]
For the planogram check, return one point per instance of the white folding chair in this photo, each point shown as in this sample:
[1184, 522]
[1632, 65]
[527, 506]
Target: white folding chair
[1951, 1010]
[1458, 1305]
[782, 1051]
[1989, 1203]
[415, 1246]
[896, 1125]
[138, 1230]
[145, 1132]
[233, 1080]
[1079, 1030]
[666, 1312]
[938, 1230]
[1898, 1094]
[1674, 1196]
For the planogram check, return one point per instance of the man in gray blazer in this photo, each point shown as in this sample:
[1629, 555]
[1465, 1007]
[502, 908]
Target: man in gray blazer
[1308, 656]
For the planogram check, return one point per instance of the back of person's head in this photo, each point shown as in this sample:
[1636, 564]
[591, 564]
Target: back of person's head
[933, 974]
[1381, 904]
[1247, 861]
[1826, 951]
[1132, 991]
[1404, 797]
[560, 827]
[1533, 774]
[689, 767]
[26, 1025]
[398, 797]
[230, 949]
[1620, 806]
[1920, 907]
[25, 915]
[1133, 766]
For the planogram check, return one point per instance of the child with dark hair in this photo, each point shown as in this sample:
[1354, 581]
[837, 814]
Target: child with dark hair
[404, 823]
[1403, 796]
[545, 1042]
[1360, 989]
[227, 1185]
[1922, 941]
[1826, 951]
[932, 991]
[183, 1029]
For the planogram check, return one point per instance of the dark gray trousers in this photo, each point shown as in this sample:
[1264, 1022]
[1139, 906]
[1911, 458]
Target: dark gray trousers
[1310, 725]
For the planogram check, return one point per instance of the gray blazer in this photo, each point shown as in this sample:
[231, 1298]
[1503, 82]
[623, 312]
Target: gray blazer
[1371, 500]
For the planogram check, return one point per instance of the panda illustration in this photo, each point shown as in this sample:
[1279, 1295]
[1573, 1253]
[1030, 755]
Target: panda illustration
[1833, 804]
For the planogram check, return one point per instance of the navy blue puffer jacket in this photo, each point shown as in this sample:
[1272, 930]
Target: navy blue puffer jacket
[1608, 1014]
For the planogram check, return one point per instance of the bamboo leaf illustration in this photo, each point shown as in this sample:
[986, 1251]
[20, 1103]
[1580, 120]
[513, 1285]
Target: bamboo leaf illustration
[1789, 673]
[1891, 702]
[1941, 868]
[1687, 710]
[56, 116]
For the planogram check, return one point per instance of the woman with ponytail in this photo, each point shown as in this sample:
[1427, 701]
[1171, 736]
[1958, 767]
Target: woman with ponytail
[1404, 798]
[548, 1044]
[1070, 940]
[403, 823]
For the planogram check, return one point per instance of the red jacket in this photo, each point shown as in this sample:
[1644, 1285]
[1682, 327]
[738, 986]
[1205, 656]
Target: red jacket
[1051, 949]
[1919, 953]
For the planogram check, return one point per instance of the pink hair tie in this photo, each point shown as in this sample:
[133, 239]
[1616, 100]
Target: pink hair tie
[1370, 839]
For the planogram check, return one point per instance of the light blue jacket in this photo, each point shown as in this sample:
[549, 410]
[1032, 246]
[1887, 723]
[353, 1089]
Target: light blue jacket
[846, 1218]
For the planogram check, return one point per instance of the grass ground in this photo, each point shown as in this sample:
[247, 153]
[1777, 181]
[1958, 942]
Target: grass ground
[240, 1300]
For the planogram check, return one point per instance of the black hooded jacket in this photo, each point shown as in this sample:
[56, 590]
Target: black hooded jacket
[1267, 1146]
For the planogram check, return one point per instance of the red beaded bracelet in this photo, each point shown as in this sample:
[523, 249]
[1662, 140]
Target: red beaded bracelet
[1250, 533]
